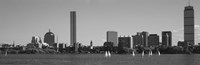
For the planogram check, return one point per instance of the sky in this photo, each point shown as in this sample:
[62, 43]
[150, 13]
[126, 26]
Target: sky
[22, 19]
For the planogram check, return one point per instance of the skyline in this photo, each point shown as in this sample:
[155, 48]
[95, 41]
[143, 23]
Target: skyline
[94, 19]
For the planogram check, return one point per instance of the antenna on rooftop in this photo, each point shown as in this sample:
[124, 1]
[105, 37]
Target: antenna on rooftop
[189, 2]
[49, 30]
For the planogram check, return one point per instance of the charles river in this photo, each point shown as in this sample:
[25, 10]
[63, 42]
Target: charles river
[99, 59]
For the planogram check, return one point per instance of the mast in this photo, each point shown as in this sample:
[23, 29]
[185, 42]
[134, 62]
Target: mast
[57, 38]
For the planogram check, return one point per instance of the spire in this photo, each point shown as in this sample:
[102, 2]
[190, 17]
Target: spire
[13, 44]
[91, 41]
[188, 2]
[49, 30]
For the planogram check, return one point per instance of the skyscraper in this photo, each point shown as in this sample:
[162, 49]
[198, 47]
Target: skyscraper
[74, 44]
[167, 38]
[73, 28]
[189, 25]
[112, 37]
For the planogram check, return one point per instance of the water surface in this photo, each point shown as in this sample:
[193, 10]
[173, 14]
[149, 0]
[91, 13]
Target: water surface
[99, 59]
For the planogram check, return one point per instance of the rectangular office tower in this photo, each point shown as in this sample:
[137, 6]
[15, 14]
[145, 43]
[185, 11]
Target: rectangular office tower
[153, 40]
[145, 39]
[73, 28]
[112, 37]
[141, 39]
[167, 38]
[189, 25]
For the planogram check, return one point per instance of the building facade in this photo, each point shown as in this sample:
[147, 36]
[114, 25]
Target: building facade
[124, 42]
[49, 38]
[145, 39]
[73, 28]
[73, 41]
[141, 39]
[189, 25]
[137, 40]
[167, 38]
[112, 37]
[153, 40]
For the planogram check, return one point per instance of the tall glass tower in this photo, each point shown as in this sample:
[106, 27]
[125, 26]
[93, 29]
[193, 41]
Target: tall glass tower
[73, 28]
[189, 25]
[112, 37]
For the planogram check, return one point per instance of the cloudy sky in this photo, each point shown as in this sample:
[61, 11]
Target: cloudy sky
[22, 19]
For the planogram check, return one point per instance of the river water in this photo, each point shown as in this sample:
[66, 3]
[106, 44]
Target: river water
[99, 59]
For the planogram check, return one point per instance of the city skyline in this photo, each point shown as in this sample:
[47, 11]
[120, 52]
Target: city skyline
[19, 23]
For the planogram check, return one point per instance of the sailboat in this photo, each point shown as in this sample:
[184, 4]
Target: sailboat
[150, 53]
[6, 53]
[106, 54]
[133, 53]
[159, 53]
[142, 53]
[109, 54]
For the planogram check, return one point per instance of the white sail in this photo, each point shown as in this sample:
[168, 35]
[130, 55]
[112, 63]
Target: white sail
[109, 53]
[149, 53]
[106, 54]
[6, 53]
[142, 53]
[133, 53]
[159, 53]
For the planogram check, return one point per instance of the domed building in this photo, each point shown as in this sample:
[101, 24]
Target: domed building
[49, 38]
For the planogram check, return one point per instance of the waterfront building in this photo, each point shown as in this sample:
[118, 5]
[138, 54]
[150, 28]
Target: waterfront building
[145, 39]
[137, 40]
[153, 40]
[112, 37]
[189, 25]
[124, 42]
[73, 30]
[49, 38]
[167, 38]
[36, 42]
[141, 39]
